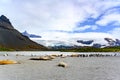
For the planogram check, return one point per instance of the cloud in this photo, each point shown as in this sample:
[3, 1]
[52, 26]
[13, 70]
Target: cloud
[115, 32]
[91, 35]
[92, 27]
[48, 15]
[5, 1]
[105, 20]
[43, 16]
[51, 15]
[63, 36]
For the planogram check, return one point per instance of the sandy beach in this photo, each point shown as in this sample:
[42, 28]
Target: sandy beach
[88, 68]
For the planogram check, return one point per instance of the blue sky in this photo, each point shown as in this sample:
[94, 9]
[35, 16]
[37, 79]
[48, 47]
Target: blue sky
[63, 18]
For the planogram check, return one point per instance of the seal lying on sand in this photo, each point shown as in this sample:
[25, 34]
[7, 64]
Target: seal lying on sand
[63, 64]
[4, 62]
[44, 58]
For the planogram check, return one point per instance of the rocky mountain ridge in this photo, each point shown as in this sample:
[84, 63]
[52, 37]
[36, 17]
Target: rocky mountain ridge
[25, 33]
[12, 39]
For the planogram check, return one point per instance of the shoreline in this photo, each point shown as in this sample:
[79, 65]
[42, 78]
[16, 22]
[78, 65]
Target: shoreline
[43, 53]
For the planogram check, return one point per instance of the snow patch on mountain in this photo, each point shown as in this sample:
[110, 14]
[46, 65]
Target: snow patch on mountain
[97, 42]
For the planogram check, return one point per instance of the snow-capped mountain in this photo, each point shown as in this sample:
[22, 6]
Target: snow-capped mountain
[77, 42]
[85, 42]
[30, 35]
[112, 42]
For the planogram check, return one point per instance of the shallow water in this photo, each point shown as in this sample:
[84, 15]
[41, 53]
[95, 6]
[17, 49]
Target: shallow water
[38, 53]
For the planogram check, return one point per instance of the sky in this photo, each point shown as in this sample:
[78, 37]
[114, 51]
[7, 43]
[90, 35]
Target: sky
[64, 18]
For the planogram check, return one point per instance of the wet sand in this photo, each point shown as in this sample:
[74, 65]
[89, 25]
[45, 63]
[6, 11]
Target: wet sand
[88, 68]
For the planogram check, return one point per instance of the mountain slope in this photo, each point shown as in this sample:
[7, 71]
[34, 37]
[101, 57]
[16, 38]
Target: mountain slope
[13, 39]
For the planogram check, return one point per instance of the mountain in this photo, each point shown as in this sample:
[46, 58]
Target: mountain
[112, 42]
[85, 42]
[12, 39]
[77, 43]
[30, 35]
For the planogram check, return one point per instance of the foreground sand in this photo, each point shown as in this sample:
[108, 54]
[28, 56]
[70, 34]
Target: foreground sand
[94, 68]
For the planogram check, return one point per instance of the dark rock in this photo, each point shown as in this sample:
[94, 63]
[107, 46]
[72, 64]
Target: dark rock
[5, 23]
[5, 19]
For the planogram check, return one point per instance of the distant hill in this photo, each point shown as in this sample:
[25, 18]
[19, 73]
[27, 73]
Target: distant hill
[92, 49]
[12, 39]
[30, 35]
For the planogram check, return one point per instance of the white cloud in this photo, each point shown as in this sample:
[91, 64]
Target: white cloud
[108, 19]
[69, 36]
[92, 27]
[52, 15]
[82, 28]
[115, 32]
[48, 14]
[91, 35]
[41, 16]
[5, 1]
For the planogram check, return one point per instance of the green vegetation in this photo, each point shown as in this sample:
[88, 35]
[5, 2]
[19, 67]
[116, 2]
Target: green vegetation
[80, 49]
[92, 49]
[6, 49]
